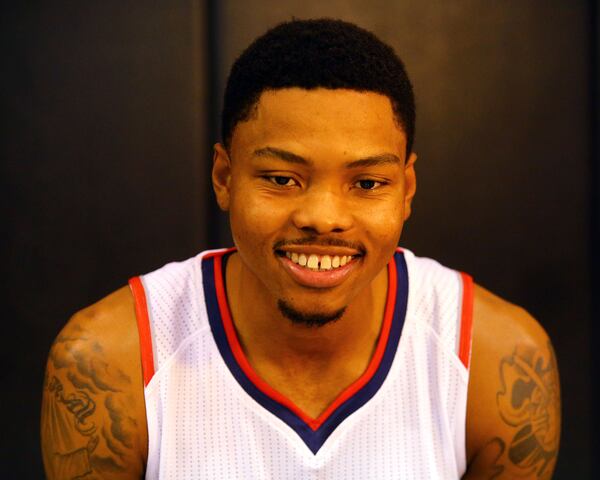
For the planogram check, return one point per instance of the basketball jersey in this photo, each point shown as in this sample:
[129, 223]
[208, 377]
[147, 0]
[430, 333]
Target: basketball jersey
[210, 416]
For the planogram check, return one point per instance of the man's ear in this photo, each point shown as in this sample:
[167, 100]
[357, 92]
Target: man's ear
[221, 175]
[410, 183]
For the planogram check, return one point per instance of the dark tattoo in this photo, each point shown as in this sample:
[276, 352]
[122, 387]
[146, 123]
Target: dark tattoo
[529, 402]
[111, 444]
[493, 451]
[118, 425]
[77, 442]
[79, 404]
[65, 411]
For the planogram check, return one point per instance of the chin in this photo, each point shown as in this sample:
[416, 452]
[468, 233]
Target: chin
[312, 318]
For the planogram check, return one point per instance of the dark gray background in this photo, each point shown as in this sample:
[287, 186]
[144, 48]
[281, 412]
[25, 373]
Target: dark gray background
[110, 111]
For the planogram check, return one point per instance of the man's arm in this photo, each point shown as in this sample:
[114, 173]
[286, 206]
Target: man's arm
[93, 422]
[513, 411]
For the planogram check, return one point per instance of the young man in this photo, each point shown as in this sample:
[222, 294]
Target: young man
[316, 348]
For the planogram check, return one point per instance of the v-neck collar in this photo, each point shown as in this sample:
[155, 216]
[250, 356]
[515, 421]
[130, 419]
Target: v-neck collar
[313, 431]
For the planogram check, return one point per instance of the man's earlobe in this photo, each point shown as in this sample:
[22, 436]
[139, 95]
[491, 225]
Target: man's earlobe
[410, 184]
[221, 175]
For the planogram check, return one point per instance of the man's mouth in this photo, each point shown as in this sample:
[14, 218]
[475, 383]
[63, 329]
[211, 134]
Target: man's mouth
[319, 262]
[313, 267]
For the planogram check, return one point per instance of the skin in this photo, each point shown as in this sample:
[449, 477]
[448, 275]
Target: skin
[93, 421]
[322, 201]
[321, 171]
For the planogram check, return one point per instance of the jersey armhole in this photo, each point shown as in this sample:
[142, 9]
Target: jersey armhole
[466, 320]
[144, 332]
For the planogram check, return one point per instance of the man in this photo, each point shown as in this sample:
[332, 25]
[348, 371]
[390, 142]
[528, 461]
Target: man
[315, 348]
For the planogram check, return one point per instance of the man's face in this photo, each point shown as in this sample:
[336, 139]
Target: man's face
[318, 188]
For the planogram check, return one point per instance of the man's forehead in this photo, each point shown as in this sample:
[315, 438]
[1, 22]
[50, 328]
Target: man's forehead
[359, 120]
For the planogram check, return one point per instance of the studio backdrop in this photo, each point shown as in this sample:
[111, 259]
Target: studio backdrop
[111, 109]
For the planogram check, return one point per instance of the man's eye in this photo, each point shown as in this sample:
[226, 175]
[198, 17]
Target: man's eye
[282, 181]
[368, 184]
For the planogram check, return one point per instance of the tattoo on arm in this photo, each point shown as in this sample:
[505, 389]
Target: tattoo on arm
[529, 402]
[79, 442]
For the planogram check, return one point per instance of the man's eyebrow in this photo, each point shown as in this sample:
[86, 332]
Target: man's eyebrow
[282, 155]
[373, 161]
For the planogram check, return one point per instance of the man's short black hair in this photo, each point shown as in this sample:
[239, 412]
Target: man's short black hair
[310, 54]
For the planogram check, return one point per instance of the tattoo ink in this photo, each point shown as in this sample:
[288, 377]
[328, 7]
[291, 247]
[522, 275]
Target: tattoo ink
[528, 402]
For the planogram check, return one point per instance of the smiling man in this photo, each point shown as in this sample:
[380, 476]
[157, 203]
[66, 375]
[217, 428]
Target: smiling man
[315, 348]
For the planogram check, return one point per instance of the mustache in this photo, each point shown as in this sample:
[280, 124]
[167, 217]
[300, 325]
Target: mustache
[320, 241]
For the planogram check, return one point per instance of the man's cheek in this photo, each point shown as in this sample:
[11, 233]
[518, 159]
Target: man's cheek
[263, 215]
[253, 229]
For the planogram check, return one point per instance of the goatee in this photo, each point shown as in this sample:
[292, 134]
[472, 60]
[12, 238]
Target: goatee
[308, 319]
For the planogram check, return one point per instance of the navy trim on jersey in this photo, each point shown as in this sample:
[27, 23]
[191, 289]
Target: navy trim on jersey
[314, 439]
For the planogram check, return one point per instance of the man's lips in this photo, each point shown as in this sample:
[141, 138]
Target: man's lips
[319, 278]
[320, 250]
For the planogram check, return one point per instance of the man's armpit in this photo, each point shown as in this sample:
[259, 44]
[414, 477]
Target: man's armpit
[85, 429]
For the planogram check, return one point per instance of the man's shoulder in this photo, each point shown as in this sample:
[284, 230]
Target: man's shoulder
[93, 398]
[114, 310]
[502, 331]
[497, 321]
[107, 326]
[514, 393]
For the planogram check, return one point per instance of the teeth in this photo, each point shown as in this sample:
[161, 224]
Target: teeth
[325, 262]
[316, 262]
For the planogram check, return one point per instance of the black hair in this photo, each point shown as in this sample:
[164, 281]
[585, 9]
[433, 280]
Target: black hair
[310, 54]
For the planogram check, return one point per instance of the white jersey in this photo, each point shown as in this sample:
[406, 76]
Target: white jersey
[210, 416]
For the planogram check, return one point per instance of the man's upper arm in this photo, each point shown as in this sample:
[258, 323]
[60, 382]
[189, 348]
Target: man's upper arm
[93, 419]
[513, 412]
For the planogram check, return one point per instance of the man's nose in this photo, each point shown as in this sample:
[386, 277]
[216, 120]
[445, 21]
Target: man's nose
[321, 211]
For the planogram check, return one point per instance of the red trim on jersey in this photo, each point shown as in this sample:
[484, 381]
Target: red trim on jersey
[143, 323]
[313, 423]
[466, 320]
[219, 253]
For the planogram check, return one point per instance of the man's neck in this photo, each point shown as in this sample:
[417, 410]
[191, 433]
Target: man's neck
[268, 338]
